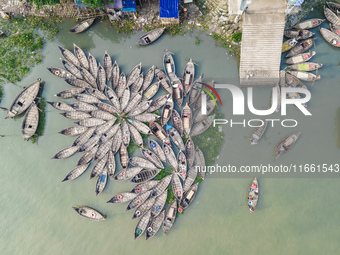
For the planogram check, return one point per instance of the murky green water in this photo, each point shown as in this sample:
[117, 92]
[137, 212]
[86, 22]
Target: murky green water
[294, 215]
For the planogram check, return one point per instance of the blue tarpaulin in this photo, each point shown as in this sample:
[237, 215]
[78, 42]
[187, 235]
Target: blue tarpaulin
[79, 3]
[129, 5]
[168, 8]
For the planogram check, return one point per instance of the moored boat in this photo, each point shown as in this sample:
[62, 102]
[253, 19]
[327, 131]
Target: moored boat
[287, 45]
[59, 72]
[137, 201]
[177, 91]
[253, 195]
[305, 76]
[127, 174]
[107, 62]
[298, 33]
[158, 206]
[286, 144]
[331, 16]
[144, 208]
[80, 55]
[143, 187]
[69, 93]
[68, 55]
[93, 65]
[122, 198]
[310, 23]
[161, 186]
[151, 91]
[121, 85]
[177, 122]
[199, 116]
[177, 186]
[182, 165]
[308, 66]
[175, 137]
[258, 133]
[123, 156]
[101, 78]
[202, 126]
[82, 26]
[76, 172]
[186, 119]
[115, 75]
[134, 74]
[199, 163]
[140, 126]
[190, 152]
[301, 47]
[190, 178]
[159, 132]
[72, 131]
[188, 76]
[188, 197]
[66, 153]
[300, 58]
[335, 7]
[152, 157]
[135, 135]
[332, 38]
[170, 156]
[154, 225]
[72, 69]
[170, 216]
[163, 80]
[101, 182]
[167, 111]
[335, 29]
[169, 65]
[145, 175]
[156, 148]
[89, 213]
[151, 36]
[30, 122]
[148, 78]
[141, 162]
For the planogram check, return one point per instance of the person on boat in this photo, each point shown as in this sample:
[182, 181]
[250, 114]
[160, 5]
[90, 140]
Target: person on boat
[147, 39]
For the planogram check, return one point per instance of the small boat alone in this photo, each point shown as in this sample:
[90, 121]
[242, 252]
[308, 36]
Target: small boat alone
[298, 34]
[89, 213]
[258, 133]
[287, 45]
[300, 58]
[310, 23]
[286, 144]
[308, 66]
[253, 194]
[169, 65]
[82, 26]
[305, 76]
[301, 47]
[151, 36]
[332, 38]
[331, 17]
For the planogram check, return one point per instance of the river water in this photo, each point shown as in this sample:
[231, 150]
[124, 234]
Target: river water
[294, 215]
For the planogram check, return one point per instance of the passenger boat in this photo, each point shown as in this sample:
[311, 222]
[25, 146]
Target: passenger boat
[99, 114]
[163, 80]
[298, 34]
[144, 208]
[177, 91]
[146, 117]
[167, 111]
[66, 153]
[332, 38]
[157, 149]
[59, 72]
[75, 115]
[258, 133]
[103, 149]
[151, 36]
[188, 197]
[186, 119]
[62, 106]
[169, 65]
[80, 54]
[286, 144]
[121, 85]
[154, 225]
[308, 66]
[134, 74]
[159, 132]
[253, 195]
[310, 23]
[301, 47]
[334, 7]
[123, 156]
[86, 159]
[300, 58]
[111, 164]
[151, 91]
[198, 101]
[89, 213]
[137, 85]
[135, 100]
[80, 106]
[331, 16]
[287, 45]
[124, 100]
[188, 76]
[175, 137]
[140, 126]
[141, 162]
[88, 77]
[82, 26]
[104, 107]
[72, 131]
[114, 100]
[69, 93]
[30, 122]
[90, 143]
[90, 122]
[305, 76]
[137, 201]
[141, 107]
[170, 216]
[161, 186]
[77, 83]
[86, 98]
[71, 68]
[127, 174]
[170, 156]
[117, 141]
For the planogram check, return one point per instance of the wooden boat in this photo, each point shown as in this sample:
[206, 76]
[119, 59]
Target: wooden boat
[158, 206]
[86, 98]
[68, 55]
[115, 74]
[146, 117]
[177, 91]
[77, 83]
[101, 182]
[82, 26]
[152, 157]
[188, 197]
[169, 65]
[149, 75]
[110, 133]
[140, 126]
[289, 44]
[134, 74]
[24, 99]
[298, 34]
[98, 168]
[79, 53]
[69, 93]
[61, 106]
[125, 133]
[145, 175]
[190, 178]
[75, 115]
[332, 38]
[170, 156]
[308, 66]
[84, 137]
[143, 187]
[124, 156]
[335, 29]
[90, 143]
[140, 108]
[87, 156]
[155, 225]
[137, 201]
[90, 122]
[76, 172]
[93, 65]
[198, 115]
[308, 24]
[135, 135]
[151, 91]
[167, 111]
[202, 126]
[188, 77]
[117, 141]
[170, 216]
[133, 103]
[161, 186]
[61, 73]
[30, 122]
[111, 164]
[305, 76]
[80, 106]
[72, 131]
[177, 122]
[258, 133]
[101, 78]
[331, 16]
[159, 132]
[121, 85]
[300, 58]
[70, 68]
[301, 47]
[105, 107]
[89, 213]
[177, 186]
[334, 7]
[141, 162]
[124, 100]
[195, 91]
[157, 149]
[114, 100]
[4, 15]
[190, 152]
[67, 152]
[107, 61]
[198, 102]
[199, 163]
[103, 149]
[158, 103]
[151, 36]
[88, 77]
[175, 137]
[137, 85]
[127, 174]
[164, 81]
[286, 144]
[99, 114]
[253, 195]
[101, 129]
[182, 165]
[122, 198]
[186, 119]
[144, 208]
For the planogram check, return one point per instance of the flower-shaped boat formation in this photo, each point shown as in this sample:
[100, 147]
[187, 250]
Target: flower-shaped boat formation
[108, 118]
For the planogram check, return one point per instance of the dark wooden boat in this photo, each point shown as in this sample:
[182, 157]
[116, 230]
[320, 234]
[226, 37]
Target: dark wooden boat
[157, 149]
[299, 34]
[310, 23]
[286, 144]
[30, 122]
[66, 153]
[75, 115]
[198, 115]
[167, 111]
[141, 162]
[149, 76]
[159, 132]
[115, 74]
[93, 65]
[146, 117]
[80, 54]
[140, 126]
[182, 165]
[69, 93]
[161, 186]
[195, 91]
[175, 137]
[123, 156]
[335, 7]
[101, 78]
[188, 77]
[202, 126]
[188, 197]
[170, 216]
[137, 85]
[134, 74]
[99, 114]
[164, 81]
[137, 201]
[186, 119]
[289, 44]
[127, 174]
[258, 133]
[253, 195]
[152, 157]
[332, 38]
[158, 103]
[300, 58]
[124, 100]
[88, 77]
[76, 172]
[177, 91]
[170, 156]
[90, 143]
[80, 106]
[117, 141]
[71, 68]
[122, 198]
[305, 76]
[98, 167]
[89, 213]
[169, 65]
[177, 186]
[158, 206]
[177, 122]
[335, 29]
[77, 83]
[24, 99]
[308, 66]
[72, 131]
[143, 187]
[145, 175]
[61, 106]
[190, 178]
[68, 55]
[135, 135]
[101, 182]
[190, 152]
[111, 164]
[301, 47]
[199, 163]
[61, 73]
[154, 225]
[86, 98]
[140, 108]
[107, 62]
[83, 138]
[121, 85]
[331, 16]
[90, 122]
[151, 36]
[82, 26]
[151, 91]
[133, 103]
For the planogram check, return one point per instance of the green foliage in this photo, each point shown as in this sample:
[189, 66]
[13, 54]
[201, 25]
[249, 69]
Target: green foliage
[98, 3]
[197, 42]
[124, 26]
[171, 196]
[163, 173]
[41, 125]
[237, 37]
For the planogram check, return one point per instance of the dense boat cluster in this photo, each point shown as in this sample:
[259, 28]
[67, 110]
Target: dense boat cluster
[108, 117]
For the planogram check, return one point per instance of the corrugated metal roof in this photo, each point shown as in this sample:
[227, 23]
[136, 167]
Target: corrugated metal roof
[168, 8]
